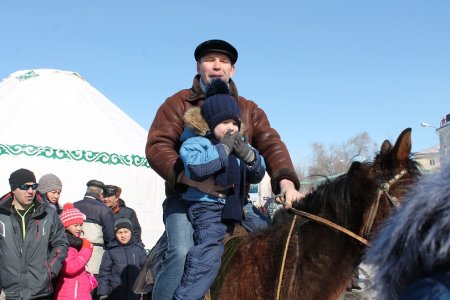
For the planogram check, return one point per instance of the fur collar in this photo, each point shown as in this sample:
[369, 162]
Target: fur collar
[194, 120]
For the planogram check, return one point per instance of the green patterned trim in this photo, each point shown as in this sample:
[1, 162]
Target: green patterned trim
[27, 75]
[77, 155]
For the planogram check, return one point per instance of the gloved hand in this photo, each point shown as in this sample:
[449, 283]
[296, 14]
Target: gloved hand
[228, 140]
[86, 243]
[243, 150]
[103, 297]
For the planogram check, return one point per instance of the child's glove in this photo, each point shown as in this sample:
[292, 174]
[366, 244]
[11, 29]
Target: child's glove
[86, 243]
[243, 150]
[228, 140]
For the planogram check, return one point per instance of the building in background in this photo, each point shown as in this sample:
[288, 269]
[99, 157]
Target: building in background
[429, 159]
[444, 137]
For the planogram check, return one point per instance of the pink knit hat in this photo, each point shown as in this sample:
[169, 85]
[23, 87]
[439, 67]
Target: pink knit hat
[70, 215]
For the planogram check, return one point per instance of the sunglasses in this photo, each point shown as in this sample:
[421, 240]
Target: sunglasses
[26, 187]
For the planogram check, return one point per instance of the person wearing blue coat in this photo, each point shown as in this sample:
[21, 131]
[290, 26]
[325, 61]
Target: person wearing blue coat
[214, 151]
[121, 263]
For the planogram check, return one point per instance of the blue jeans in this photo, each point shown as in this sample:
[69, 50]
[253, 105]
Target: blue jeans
[254, 219]
[203, 260]
[179, 233]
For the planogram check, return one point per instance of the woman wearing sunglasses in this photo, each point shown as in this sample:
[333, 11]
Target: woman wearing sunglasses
[31, 238]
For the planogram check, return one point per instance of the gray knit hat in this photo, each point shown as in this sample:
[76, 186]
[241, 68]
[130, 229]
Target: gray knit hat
[48, 183]
[123, 223]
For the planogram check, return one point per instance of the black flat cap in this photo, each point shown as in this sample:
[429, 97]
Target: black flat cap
[110, 190]
[216, 46]
[96, 183]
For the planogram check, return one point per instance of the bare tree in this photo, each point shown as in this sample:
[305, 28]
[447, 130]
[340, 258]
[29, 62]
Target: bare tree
[300, 172]
[336, 159]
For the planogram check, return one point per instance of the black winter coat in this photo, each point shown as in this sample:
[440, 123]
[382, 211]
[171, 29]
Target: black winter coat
[28, 265]
[119, 269]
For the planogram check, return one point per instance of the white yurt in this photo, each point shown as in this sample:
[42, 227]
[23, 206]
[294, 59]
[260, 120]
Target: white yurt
[54, 121]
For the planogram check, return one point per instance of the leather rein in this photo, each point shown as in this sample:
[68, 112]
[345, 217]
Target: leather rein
[367, 227]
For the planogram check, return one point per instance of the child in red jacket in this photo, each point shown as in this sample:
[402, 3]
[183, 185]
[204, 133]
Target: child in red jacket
[74, 282]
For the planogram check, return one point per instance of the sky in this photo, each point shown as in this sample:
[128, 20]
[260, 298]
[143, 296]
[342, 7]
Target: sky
[322, 70]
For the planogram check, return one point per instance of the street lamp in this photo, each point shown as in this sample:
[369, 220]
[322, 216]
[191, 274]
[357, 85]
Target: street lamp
[423, 124]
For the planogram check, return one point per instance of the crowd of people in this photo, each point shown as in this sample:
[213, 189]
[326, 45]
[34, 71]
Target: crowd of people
[90, 249]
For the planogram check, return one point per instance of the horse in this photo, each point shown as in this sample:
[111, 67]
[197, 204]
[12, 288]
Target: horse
[312, 249]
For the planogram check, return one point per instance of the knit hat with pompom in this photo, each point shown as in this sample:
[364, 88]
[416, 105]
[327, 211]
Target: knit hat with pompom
[219, 105]
[71, 215]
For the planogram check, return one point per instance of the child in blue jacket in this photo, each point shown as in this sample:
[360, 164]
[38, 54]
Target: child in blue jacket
[213, 147]
[121, 264]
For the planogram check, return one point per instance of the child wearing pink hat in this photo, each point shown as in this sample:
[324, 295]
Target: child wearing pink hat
[74, 282]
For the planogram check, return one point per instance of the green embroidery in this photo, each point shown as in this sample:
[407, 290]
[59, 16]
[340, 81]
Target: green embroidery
[27, 75]
[78, 155]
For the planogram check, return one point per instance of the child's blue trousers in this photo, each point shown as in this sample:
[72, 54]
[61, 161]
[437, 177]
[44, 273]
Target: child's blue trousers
[203, 259]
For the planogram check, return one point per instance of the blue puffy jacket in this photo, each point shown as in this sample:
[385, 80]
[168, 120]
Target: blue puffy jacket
[201, 159]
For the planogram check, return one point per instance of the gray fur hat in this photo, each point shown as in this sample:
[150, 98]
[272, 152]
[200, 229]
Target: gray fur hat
[48, 183]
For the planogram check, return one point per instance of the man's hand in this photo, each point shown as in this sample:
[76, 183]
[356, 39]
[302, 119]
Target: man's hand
[207, 186]
[228, 140]
[287, 188]
[243, 150]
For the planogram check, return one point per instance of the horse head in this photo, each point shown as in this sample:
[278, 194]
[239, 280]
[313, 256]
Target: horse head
[360, 199]
[394, 172]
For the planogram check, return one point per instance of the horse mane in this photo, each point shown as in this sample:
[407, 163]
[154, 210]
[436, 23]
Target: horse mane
[330, 199]
[415, 241]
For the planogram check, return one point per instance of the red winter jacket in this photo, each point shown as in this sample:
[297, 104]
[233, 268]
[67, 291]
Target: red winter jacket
[73, 280]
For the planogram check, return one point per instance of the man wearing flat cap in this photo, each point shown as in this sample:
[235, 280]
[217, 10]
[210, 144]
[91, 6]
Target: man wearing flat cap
[215, 59]
[111, 198]
[33, 243]
[98, 227]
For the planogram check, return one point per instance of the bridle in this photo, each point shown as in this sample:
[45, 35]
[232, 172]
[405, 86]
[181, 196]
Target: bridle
[382, 189]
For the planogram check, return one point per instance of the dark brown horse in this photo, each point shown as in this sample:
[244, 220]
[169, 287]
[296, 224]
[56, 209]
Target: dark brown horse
[319, 260]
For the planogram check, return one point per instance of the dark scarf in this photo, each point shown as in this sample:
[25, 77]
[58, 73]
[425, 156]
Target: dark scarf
[232, 175]
[74, 241]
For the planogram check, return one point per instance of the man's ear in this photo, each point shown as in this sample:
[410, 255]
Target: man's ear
[232, 71]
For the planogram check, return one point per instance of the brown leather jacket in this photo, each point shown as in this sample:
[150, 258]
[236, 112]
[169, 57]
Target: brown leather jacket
[163, 141]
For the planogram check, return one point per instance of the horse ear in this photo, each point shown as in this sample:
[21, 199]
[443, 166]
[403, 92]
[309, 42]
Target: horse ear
[402, 148]
[385, 147]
